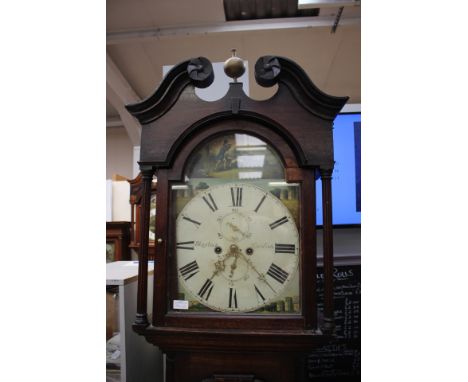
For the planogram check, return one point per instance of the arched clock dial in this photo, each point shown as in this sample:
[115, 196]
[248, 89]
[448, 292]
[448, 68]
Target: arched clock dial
[237, 247]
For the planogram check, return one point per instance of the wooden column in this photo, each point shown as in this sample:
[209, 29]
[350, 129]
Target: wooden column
[329, 322]
[162, 228]
[142, 315]
[309, 249]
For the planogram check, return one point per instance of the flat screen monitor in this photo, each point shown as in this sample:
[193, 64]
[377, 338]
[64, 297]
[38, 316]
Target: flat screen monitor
[346, 178]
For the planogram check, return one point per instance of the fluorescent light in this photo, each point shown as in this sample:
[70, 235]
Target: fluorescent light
[248, 140]
[304, 4]
[282, 184]
[180, 187]
[251, 148]
[250, 161]
[250, 174]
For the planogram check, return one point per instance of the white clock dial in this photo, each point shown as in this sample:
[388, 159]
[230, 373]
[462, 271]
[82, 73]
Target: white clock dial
[237, 247]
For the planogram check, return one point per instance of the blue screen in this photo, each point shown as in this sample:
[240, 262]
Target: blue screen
[346, 178]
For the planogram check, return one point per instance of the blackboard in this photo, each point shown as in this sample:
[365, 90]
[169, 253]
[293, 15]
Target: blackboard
[340, 360]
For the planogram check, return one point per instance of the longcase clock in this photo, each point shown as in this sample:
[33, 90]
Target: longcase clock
[235, 239]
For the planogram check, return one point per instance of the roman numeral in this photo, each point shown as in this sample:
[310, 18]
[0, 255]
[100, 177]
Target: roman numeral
[277, 273]
[237, 199]
[207, 287]
[189, 270]
[259, 293]
[285, 248]
[191, 221]
[278, 222]
[185, 245]
[259, 204]
[232, 298]
[211, 203]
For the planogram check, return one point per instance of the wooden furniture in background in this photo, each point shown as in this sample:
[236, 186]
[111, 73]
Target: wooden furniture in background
[112, 308]
[117, 241]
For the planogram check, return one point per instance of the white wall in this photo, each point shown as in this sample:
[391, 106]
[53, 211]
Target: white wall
[346, 245]
[220, 85]
[119, 153]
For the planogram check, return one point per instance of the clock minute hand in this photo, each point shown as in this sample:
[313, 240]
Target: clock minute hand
[260, 275]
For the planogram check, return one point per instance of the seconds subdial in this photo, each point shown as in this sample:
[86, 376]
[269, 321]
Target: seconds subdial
[234, 226]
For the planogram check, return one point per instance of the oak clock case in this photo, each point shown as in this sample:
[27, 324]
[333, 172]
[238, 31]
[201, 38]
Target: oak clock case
[234, 295]
[236, 230]
[136, 188]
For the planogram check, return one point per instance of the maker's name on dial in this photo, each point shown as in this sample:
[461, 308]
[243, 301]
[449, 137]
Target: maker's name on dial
[263, 245]
[205, 244]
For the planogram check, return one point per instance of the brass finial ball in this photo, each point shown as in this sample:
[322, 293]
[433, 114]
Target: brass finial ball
[234, 66]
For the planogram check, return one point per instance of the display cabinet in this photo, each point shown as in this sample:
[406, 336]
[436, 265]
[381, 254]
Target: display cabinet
[128, 356]
[117, 241]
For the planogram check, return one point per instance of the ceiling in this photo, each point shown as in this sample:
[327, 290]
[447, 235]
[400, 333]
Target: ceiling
[144, 35]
